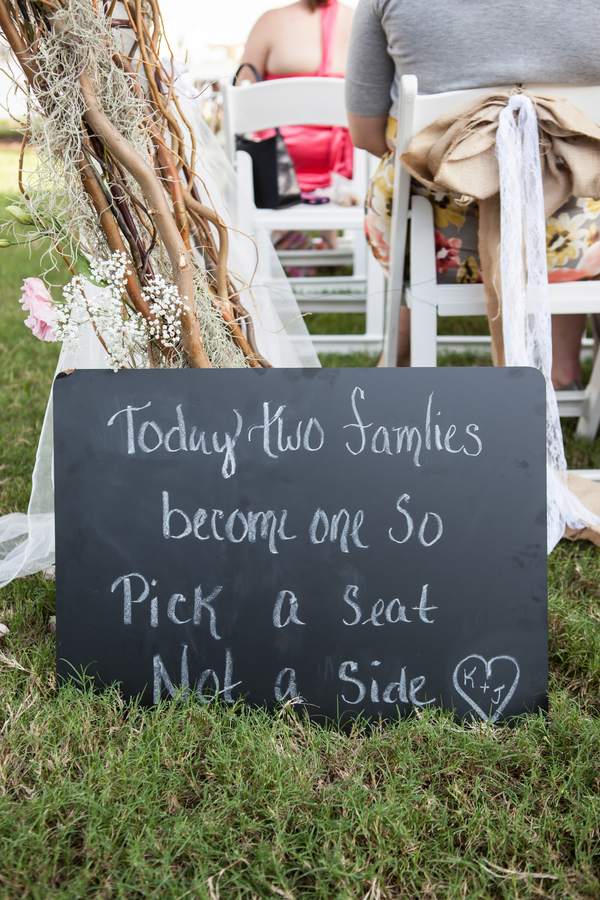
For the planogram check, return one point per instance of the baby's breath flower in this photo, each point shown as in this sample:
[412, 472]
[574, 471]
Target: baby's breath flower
[166, 306]
[124, 331]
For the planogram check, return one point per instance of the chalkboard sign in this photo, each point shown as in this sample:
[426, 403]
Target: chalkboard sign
[372, 541]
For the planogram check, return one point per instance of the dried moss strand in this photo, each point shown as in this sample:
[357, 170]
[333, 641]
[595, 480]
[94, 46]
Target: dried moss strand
[166, 163]
[207, 213]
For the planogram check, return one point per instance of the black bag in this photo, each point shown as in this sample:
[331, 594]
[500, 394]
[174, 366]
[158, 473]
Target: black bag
[275, 182]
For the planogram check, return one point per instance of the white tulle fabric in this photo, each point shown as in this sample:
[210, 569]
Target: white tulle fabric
[526, 320]
[27, 540]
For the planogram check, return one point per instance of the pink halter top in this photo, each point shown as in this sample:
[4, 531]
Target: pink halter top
[316, 150]
[329, 16]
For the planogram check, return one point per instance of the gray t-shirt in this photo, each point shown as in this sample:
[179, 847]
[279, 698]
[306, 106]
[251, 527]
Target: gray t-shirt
[456, 44]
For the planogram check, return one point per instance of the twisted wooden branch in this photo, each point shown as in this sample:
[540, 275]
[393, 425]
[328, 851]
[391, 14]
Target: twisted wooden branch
[17, 44]
[159, 209]
[206, 212]
[118, 208]
[112, 234]
[200, 214]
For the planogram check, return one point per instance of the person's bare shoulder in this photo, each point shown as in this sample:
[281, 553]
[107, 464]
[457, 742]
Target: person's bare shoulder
[263, 33]
[273, 18]
[265, 22]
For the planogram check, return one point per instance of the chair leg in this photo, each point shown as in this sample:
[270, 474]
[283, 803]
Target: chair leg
[423, 333]
[587, 425]
[422, 300]
[397, 247]
[243, 166]
[375, 297]
[361, 252]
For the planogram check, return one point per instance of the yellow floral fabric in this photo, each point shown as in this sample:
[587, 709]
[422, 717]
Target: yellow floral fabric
[572, 233]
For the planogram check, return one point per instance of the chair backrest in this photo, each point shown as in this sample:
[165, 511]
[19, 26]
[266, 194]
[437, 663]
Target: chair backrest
[428, 107]
[307, 100]
[416, 111]
[284, 101]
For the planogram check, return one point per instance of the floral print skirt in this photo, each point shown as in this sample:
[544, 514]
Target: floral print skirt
[572, 233]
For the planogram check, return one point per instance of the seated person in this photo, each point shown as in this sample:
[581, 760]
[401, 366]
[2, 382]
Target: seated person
[499, 43]
[291, 42]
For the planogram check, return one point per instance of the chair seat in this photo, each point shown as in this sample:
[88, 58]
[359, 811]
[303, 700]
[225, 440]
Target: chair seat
[331, 284]
[315, 257]
[306, 217]
[469, 299]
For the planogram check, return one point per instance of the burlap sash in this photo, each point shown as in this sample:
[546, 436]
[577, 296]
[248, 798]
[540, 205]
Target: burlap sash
[457, 153]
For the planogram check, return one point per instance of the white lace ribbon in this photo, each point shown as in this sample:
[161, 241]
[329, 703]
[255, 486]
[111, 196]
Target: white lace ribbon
[526, 320]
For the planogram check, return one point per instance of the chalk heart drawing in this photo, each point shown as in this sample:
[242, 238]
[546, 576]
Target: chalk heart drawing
[488, 663]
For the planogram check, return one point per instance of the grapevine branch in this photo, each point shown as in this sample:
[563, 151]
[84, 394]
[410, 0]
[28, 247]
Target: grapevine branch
[165, 220]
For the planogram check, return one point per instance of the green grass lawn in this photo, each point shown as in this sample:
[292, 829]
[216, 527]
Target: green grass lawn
[102, 800]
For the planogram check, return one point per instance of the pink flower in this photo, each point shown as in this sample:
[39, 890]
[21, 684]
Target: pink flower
[377, 239]
[557, 276]
[446, 253]
[42, 314]
[587, 267]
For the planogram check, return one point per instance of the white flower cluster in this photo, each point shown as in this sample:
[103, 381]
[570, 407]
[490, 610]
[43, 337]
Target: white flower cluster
[166, 306]
[123, 330]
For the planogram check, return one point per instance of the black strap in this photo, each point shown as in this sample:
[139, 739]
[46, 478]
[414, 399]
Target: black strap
[252, 69]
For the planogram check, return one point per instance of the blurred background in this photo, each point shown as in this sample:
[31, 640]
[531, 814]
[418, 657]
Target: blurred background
[213, 34]
[208, 35]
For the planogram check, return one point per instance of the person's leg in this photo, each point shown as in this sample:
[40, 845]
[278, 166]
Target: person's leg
[403, 352]
[403, 358]
[378, 207]
[567, 332]
[595, 317]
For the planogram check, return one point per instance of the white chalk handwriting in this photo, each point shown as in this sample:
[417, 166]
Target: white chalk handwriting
[395, 691]
[392, 440]
[472, 670]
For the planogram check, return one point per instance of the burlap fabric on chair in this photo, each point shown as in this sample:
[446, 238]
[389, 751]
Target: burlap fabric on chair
[457, 153]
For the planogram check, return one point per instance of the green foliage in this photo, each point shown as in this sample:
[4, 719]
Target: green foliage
[355, 360]
[9, 130]
[580, 453]
[9, 164]
[26, 369]
[463, 325]
[99, 799]
[468, 358]
[336, 323]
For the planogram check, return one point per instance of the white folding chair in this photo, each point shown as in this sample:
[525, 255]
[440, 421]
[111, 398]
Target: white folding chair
[311, 101]
[427, 299]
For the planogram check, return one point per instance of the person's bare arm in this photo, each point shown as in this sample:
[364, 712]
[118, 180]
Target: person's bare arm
[368, 133]
[257, 48]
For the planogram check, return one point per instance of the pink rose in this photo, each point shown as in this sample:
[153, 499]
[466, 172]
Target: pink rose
[42, 314]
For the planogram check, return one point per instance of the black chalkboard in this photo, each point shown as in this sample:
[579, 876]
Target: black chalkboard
[371, 540]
